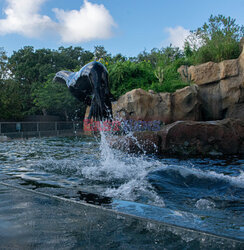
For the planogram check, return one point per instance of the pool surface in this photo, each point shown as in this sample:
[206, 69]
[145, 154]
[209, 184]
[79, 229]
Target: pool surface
[203, 195]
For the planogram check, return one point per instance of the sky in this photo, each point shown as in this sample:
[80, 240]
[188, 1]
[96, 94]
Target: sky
[121, 26]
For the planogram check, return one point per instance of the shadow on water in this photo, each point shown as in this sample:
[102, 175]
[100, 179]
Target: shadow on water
[94, 198]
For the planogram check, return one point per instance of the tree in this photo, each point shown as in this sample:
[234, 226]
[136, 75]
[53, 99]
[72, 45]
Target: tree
[31, 68]
[126, 75]
[101, 53]
[11, 100]
[10, 92]
[71, 58]
[55, 99]
[218, 40]
[3, 64]
[153, 56]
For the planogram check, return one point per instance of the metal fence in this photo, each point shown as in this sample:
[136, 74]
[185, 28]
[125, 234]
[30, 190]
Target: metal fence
[38, 129]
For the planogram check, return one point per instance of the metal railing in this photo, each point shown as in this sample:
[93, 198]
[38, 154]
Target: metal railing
[32, 129]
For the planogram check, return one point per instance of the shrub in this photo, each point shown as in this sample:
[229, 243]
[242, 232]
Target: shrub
[127, 75]
[215, 41]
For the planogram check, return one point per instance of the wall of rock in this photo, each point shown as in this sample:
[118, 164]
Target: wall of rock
[216, 92]
[201, 118]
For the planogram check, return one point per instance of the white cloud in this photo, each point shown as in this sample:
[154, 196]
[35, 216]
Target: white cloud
[91, 22]
[177, 36]
[22, 18]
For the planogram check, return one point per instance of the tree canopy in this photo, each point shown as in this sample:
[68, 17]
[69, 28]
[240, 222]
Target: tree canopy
[216, 40]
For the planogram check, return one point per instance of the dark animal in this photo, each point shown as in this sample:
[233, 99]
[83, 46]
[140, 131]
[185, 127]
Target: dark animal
[90, 86]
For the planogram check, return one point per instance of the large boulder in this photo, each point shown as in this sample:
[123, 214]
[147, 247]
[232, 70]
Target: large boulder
[210, 72]
[143, 142]
[242, 44]
[221, 86]
[139, 104]
[236, 111]
[231, 92]
[186, 104]
[3, 138]
[223, 137]
[232, 89]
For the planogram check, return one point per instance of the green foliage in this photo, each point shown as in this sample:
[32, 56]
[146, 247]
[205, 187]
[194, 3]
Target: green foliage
[101, 53]
[55, 99]
[215, 41]
[30, 68]
[127, 75]
[160, 57]
[172, 80]
[11, 100]
[159, 73]
[3, 64]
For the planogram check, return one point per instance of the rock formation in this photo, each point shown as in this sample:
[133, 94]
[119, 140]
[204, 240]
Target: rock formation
[139, 104]
[223, 137]
[205, 118]
[217, 92]
[221, 86]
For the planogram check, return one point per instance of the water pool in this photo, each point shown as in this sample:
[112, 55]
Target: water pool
[201, 194]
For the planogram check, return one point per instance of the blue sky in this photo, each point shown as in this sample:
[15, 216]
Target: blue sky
[121, 26]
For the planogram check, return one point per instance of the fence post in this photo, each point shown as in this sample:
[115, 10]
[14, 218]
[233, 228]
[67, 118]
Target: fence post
[0, 127]
[74, 126]
[56, 128]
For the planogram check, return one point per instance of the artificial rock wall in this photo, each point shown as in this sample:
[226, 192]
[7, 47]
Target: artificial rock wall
[216, 92]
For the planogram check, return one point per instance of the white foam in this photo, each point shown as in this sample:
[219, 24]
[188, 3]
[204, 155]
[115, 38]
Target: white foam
[128, 170]
[204, 204]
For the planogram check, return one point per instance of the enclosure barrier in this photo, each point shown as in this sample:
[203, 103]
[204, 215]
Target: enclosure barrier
[39, 129]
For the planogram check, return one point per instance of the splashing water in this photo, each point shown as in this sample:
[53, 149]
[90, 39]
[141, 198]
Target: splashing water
[205, 193]
[129, 171]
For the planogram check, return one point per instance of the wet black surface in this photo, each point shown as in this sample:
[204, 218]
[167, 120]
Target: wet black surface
[94, 198]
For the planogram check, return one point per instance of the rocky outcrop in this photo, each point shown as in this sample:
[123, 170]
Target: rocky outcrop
[242, 44]
[224, 137]
[209, 96]
[186, 104]
[221, 85]
[236, 111]
[142, 142]
[210, 72]
[139, 104]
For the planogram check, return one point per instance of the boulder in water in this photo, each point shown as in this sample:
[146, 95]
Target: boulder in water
[222, 137]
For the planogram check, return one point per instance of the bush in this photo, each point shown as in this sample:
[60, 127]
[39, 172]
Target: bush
[219, 40]
[127, 75]
[172, 80]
